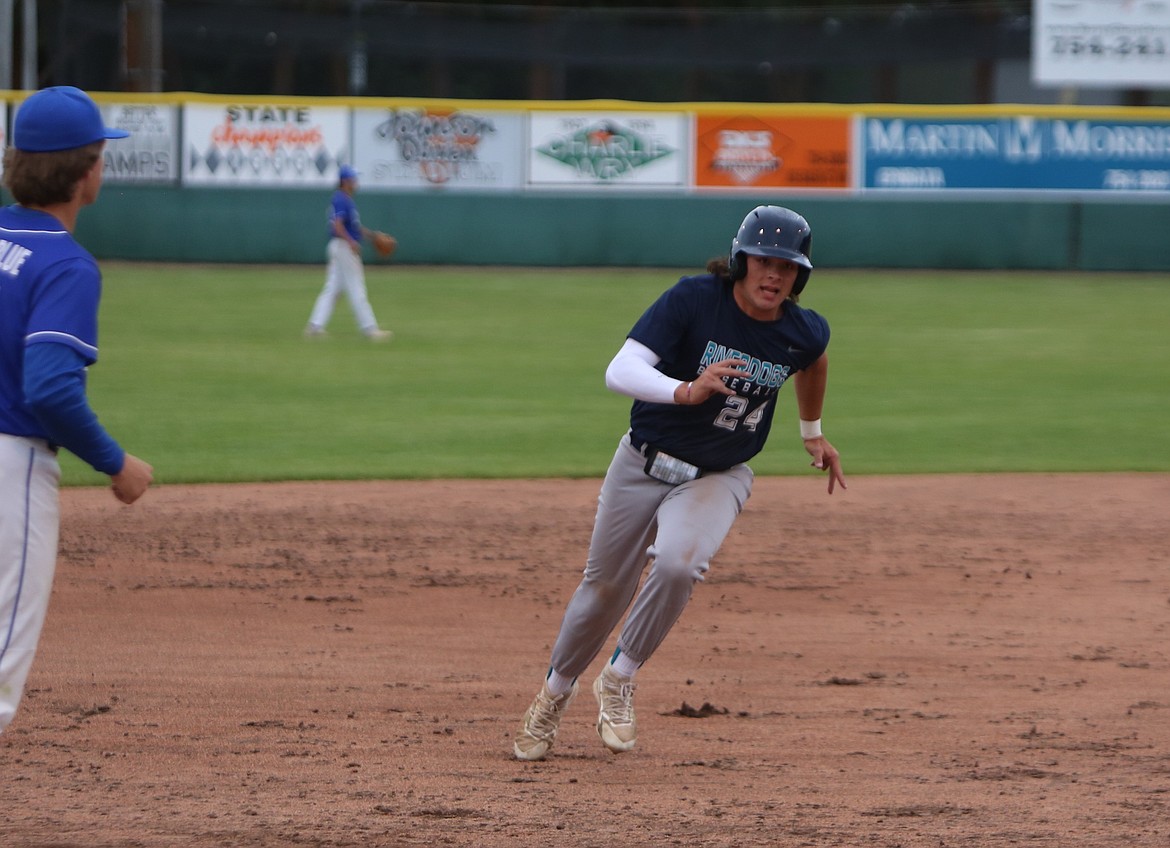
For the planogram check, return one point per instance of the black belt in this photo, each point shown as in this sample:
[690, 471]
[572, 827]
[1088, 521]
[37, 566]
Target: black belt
[643, 447]
[664, 467]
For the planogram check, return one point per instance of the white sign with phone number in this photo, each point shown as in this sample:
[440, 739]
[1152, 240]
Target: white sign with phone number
[1101, 43]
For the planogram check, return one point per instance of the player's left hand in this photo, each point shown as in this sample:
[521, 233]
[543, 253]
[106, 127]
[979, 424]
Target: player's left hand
[132, 481]
[385, 244]
[826, 458]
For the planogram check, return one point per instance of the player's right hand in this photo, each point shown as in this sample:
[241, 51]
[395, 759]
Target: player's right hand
[132, 481]
[710, 382]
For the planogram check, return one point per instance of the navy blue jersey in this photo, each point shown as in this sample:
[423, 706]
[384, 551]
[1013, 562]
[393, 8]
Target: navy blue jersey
[50, 287]
[696, 323]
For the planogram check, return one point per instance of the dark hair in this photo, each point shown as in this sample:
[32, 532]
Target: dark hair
[46, 179]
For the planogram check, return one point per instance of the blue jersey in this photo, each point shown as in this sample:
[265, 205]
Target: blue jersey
[49, 292]
[342, 207]
[696, 323]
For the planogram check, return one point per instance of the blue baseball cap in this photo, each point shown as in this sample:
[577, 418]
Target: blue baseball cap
[59, 118]
[347, 172]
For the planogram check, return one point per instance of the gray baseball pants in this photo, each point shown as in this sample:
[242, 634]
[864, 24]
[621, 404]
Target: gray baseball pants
[676, 528]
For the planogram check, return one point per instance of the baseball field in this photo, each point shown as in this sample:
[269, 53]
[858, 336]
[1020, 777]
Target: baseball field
[323, 625]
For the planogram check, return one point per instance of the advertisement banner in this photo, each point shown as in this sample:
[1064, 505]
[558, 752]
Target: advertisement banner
[743, 151]
[1101, 43]
[3, 131]
[149, 155]
[264, 145]
[452, 150]
[598, 149]
[1025, 153]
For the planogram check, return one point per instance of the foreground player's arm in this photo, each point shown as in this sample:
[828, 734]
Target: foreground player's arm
[54, 387]
[809, 385]
[632, 372]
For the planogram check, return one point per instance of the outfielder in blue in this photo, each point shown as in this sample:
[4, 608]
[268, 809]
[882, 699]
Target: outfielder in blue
[705, 365]
[49, 292]
[344, 271]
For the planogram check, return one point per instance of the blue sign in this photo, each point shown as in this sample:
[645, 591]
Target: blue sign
[1016, 153]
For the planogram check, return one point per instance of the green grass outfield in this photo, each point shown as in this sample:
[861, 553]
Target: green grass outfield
[498, 372]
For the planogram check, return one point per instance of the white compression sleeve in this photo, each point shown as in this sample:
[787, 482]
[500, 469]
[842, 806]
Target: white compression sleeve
[632, 372]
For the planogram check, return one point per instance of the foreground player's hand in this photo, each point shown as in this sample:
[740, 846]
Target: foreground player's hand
[826, 458]
[710, 382]
[134, 479]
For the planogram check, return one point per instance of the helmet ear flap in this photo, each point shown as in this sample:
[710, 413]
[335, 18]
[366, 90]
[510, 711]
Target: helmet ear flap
[736, 266]
[801, 279]
[803, 274]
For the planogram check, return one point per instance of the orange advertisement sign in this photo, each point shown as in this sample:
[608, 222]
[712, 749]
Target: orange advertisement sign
[749, 152]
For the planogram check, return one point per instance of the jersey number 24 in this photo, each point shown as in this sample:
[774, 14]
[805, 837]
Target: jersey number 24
[732, 414]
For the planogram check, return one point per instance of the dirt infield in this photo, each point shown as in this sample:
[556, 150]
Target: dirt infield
[955, 662]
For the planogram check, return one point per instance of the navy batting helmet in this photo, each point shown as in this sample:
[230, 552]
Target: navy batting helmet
[772, 231]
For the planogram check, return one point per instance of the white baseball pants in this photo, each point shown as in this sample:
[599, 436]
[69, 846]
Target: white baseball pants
[344, 272]
[30, 518]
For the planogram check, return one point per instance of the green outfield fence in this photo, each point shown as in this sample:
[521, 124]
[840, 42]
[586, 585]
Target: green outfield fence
[267, 225]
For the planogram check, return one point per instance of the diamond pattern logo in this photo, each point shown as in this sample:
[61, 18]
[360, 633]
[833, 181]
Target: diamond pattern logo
[605, 150]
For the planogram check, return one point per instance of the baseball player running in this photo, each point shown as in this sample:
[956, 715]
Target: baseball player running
[49, 292]
[344, 270]
[704, 365]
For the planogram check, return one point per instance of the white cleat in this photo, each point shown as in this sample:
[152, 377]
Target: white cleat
[541, 723]
[616, 724]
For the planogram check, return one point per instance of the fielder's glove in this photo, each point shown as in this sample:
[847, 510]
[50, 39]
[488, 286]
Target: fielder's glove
[385, 244]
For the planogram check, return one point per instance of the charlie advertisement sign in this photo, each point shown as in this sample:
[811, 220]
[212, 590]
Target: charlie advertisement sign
[439, 149]
[594, 149]
[264, 145]
[149, 155]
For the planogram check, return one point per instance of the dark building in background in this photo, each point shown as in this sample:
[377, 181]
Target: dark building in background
[928, 52]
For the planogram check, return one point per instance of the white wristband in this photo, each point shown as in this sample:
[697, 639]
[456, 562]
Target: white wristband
[810, 429]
